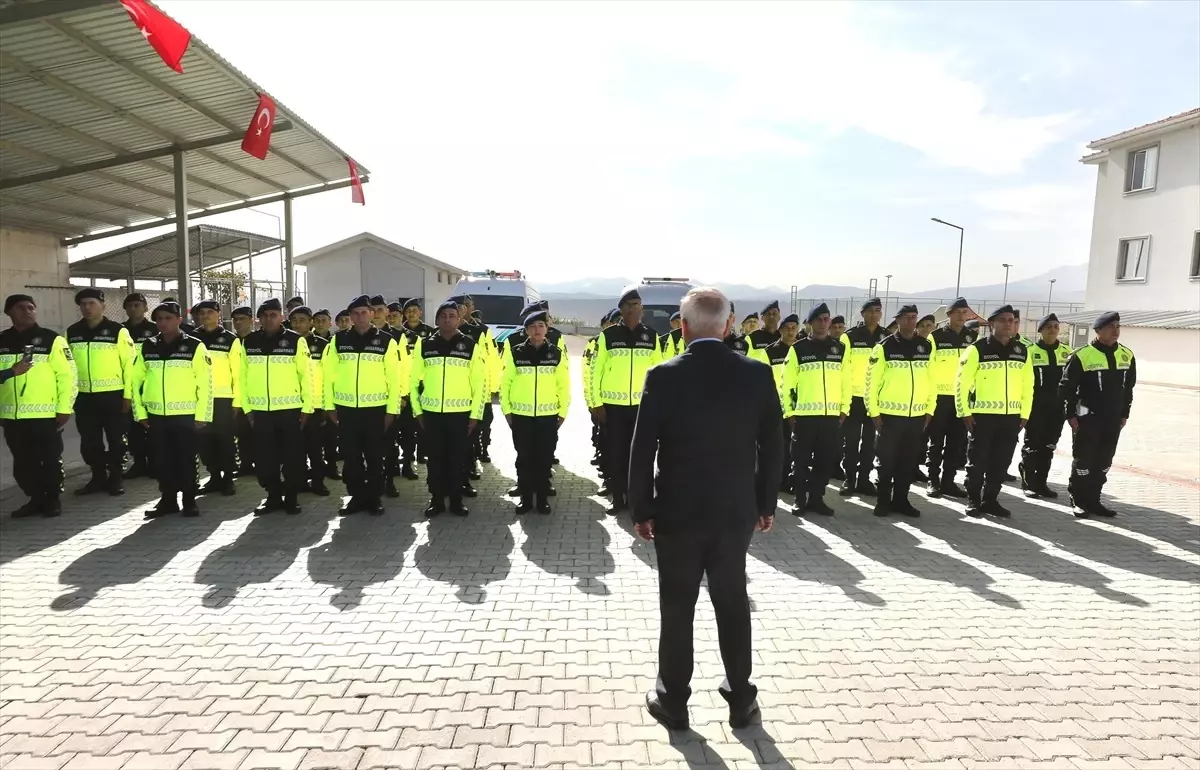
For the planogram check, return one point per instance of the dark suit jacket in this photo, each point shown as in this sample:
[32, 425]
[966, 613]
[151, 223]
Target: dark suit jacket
[713, 419]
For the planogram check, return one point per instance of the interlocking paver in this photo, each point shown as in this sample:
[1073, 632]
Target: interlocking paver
[232, 641]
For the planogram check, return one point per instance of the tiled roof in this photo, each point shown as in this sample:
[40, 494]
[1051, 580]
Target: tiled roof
[1180, 118]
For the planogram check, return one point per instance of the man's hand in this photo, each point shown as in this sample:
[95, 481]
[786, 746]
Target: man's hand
[421, 421]
[236, 412]
[144, 423]
[598, 413]
[1123, 421]
[969, 421]
[928, 419]
[250, 418]
[878, 423]
[388, 420]
[791, 421]
[201, 425]
[765, 523]
[1022, 425]
[561, 420]
[331, 415]
[303, 420]
[508, 419]
[842, 418]
[1074, 423]
[126, 405]
[21, 366]
[471, 426]
[61, 419]
[645, 529]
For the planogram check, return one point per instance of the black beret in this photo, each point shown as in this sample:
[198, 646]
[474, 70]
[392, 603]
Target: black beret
[169, 299]
[772, 305]
[676, 316]
[476, 315]
[323, 311]
[395, 307]
[362, 300]
[460, 299]
[137, 296]
[613, 315]
[341, 314]
[13, 299]
[302, 310]
[1000, 311]
[271, 304]
[629, 296]
[544, 304]
[872, 302]
[752, 316]
[1051, 318]
[242, 310]
[377, 299]
[1104, 319]
[906, 309]
[928, 317]
[296, 298]
[168, 307]
[972, 324]
[531, 307]
[816, 311]
[960, 304]
[411, 302]
[539, 315]
[90, 292]
[447, 305]
[791, 319]
[838, 319]
[1017, 312]
[206, 304]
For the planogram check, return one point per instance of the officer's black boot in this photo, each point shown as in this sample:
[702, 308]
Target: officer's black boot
[273, 502]
[974, 507]
[476, 472]
[551, 491]
[865, 487]
[227, 486]
[115, 486]
[1028, 481]
[317, 485]
[619, 503]
[409, 472]
[949, 488]
[1043, 473]
[484, 457]
[817, 504]
[469, 491]
[291, 505]
[934, 487]
[513, 491]
[166, 504]
[212, 485]
[374, 506]
[847, 488]
[525, 504]
[883, 500]
[389, 489]
[543, 504]
[189, 507]
[457, 507]
[27, 510]
[436, 505]
[994, 508]
[351, 506]
[901, 504]
[98, 483]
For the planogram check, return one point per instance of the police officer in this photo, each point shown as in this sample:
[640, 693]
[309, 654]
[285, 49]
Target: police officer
[395, 315]
[391, 444]
[816, 384]
[277, 397]
[452, 369]
[224, 351]
[362, 393]
[291, 305]
[736, 340]
[410, 436]
[342, 320]
[760, 339]
[1097, 392]
[243, 323]
[535, 392]
[35, 405]
[998, 370]
[947, 433]
[172, 397]
[971, 329]
[323, 323]
[140, 328]
[323, 327]
[671, 343]
[379, 310]
[837, 326]
[589, 366]
[776, 356]
[900, 402]
[749, 324]
[858, 429]
[1045, 425]
[103, 352]
[483, 340]
[314, 430]
[624, 353]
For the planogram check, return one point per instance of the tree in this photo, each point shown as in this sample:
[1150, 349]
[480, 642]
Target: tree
[225, 286]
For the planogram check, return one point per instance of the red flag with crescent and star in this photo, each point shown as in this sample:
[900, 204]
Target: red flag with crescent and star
[257, 140]
[356, 190]
[165, 35]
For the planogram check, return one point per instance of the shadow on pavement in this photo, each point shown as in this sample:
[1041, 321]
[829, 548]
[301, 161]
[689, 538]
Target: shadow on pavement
[136, 557]
[571, 541]
[766, 753]
[363, 551]
[261, 553]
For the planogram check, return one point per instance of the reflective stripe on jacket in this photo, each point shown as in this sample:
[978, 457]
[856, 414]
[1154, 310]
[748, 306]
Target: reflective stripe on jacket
[995, 379]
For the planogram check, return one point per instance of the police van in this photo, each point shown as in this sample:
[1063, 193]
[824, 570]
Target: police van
[660, 300]
[499, 298]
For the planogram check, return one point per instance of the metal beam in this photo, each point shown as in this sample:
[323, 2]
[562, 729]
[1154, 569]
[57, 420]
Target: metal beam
[127, 158]
[13, 13]
[289, 268]
[8, 200]
[181, 232]
[212, 211]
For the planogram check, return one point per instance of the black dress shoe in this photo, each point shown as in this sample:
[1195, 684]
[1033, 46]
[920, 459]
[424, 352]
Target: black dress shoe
[513, 492]
[163, 508]
[390, 490]
[745, 717]
[458, 509]
[864, 487]
[934, 488]
[818, 505]
[543, 505]
[52, 508]
[906, 508]
[846, 489]
[409, 473]
[115, 488]
[97, 484]
[374, 507]
[663, 715]
[272, 503]
[351, 506]
[524, 505]
[291, 506]
[1031, 493]
[469, 491]
[950, 489]
[1100, 509]
[190, 509]
[26, 511]
[994, 508]
[331, 472]
[319, 489]
[551, 491]
[975, 510]
[1046, 491]
[436, 506]
[484, 457]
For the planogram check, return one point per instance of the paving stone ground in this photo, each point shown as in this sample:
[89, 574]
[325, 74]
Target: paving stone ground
[231, 641]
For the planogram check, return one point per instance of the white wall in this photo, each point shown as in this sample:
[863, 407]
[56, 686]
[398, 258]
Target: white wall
[1166, 356]
[1169, 214]
[334, 280]
[36, 264]
[391, 275]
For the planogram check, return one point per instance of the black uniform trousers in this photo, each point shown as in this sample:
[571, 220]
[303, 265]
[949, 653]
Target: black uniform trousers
[100, 419]
[391, 450]
[858, 442]
[449, 448]
[484, 434]
[175, 443]
[245, 444]
[216, 443]
[787, 452]
[685, 557]
[409, 430]
[279, 443]
[329, 438]
[362, 437]
[618, 434]
[314, 447]
[137, 440]
[37, 446]
[989, 453]
[1042, 433]
[899, 443]
[814, 454]
[947, 440]
[1092, 449]
[535, 439]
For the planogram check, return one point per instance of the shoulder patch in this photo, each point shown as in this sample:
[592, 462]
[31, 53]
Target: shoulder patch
[66, 352]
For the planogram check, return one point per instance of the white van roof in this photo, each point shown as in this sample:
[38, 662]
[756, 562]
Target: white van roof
[510, 284]
[661, 291]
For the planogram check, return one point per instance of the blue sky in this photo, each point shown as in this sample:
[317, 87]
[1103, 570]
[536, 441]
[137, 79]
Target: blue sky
[766, 144]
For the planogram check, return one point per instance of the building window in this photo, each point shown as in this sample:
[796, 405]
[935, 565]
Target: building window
[440, 274]
[1142, 169]
[1132, 259]
[1195, 273]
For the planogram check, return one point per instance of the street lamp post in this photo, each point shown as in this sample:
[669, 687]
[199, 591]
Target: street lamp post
[958, 280]
[1051, 294]
[1004, 299]
[887, 290]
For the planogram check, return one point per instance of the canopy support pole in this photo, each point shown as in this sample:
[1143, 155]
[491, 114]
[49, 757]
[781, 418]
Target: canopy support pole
[183, 269]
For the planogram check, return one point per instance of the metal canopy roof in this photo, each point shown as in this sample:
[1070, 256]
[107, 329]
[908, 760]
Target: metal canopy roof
[154, 259]
[1154, 319]
[91, 117]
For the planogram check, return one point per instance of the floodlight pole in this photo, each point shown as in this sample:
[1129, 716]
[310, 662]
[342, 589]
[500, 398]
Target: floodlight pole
[288, 268]
[183, 269]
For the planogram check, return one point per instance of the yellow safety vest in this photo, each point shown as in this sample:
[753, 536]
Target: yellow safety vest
[536, 381]
[995, 379]
[49, 387]
[103, 355]
[452, 374]
[172, 379]
[276, 373]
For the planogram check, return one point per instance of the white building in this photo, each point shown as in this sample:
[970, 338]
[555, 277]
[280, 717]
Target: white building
[368, 264]
[1145, 249]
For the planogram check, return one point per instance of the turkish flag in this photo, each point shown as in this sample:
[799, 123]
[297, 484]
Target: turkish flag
[356, 190]
[165, 35]
[257, 140]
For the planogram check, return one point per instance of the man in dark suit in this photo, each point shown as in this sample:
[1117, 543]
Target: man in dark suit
[712, 418]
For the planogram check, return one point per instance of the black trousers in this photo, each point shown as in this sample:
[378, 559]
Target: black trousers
[362, 436]
[137, 440]
[37, 446]
[279, 442]
[685, 557]
[449, 446]
[899, 443]
[1042, 433]
[216, 442]
[858, 442]
[100, 419]
[1092, 451]
[245, 443]
[814, 454]
[618, 434]
[787, 451]
[535, 439]
[409, 431]
[314, 447]
[989, 452]
[484, 434]
[329, 437]
[175, 443]
[391, 450]
[947, 440]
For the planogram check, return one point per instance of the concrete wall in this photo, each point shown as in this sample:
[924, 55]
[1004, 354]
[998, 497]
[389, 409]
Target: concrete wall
[1169, 214]
[36, 264]
[1165, 356]
[336, 278]
[389, 274]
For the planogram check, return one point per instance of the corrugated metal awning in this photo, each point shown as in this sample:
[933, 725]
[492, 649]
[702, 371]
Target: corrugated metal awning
[212, 248]
[1155, 319]
[91, 116]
